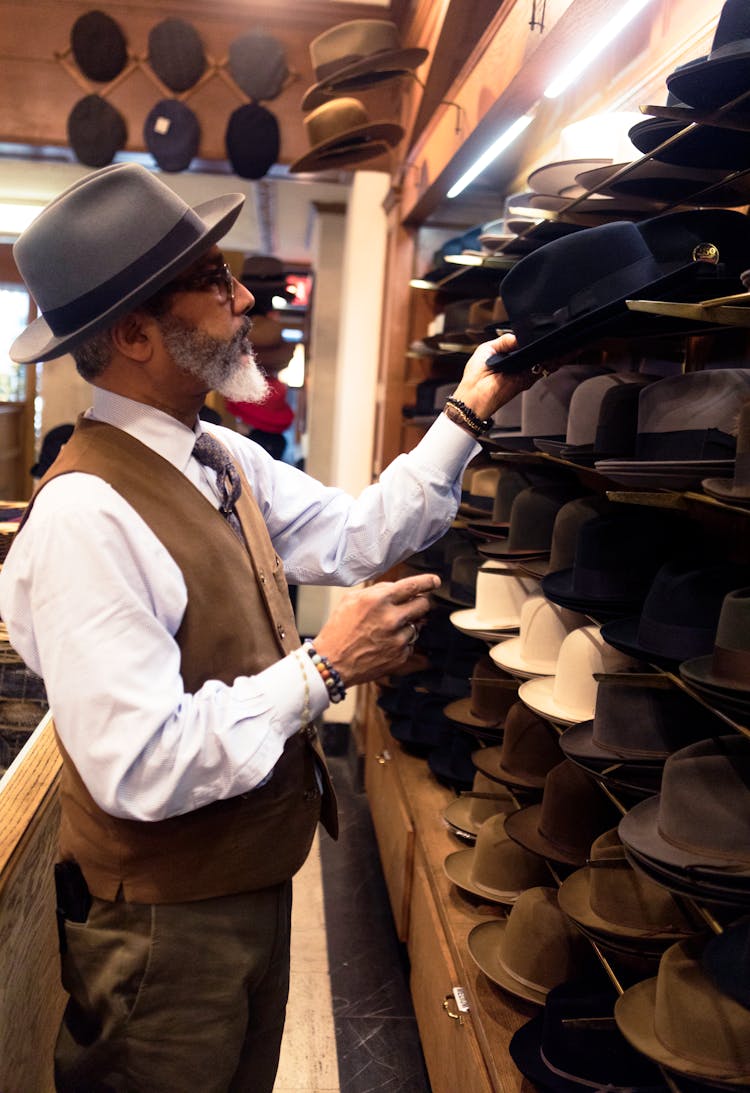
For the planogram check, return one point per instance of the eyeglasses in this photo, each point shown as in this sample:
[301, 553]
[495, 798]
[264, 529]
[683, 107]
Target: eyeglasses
[219, 277]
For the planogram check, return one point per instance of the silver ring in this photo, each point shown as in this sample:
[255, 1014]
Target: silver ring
[414, 634]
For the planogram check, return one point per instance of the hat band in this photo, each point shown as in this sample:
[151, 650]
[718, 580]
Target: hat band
[616, 584]
[730, 49]
[731, 663]
[720, 858]
[333, 68]
[672, 641]
[84, 309]
[602, 293]
[685, 444]
[519, 978]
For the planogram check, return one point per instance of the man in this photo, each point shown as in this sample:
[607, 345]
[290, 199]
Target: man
[147, 587]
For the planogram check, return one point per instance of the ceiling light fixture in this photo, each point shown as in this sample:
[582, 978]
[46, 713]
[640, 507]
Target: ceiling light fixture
[504, 141]
[594, 47]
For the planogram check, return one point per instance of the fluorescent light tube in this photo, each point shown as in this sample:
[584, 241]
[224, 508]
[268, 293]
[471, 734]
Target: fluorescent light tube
[502, 142]
[595, 46]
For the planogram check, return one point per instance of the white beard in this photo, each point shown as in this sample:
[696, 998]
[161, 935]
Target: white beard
[228, 367]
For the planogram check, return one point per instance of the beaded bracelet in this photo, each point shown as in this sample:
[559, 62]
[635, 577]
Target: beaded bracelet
[329, 675]
[476, 424]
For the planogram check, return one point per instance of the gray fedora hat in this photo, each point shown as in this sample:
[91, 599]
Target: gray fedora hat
[90, 256]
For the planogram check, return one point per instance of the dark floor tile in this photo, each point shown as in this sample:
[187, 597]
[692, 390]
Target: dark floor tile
[376, 1034]
[380, 1056]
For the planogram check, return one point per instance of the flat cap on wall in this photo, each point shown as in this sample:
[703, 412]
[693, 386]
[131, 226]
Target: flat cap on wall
[96, 131]
[252, 140]
[172, 134]
[257, 63]
[175, 53]
[98, 46]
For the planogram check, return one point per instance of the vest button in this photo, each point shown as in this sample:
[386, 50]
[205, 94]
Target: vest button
[261, 576]
[310, 794]
[281, 630]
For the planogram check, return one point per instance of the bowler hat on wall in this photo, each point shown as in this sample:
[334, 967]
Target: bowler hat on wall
[574, 290]
[258, 65]
[252, 140]
[87, 260]
[341, 134]
[355, 55]
[713, 81]
[175, 53]
[96, 131]
[172, 134]
[98, 46]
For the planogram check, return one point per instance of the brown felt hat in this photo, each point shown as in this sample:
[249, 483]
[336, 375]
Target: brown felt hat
[496, 869]
[493, 692]
[341, 134]
[529, 751]
[470, 809]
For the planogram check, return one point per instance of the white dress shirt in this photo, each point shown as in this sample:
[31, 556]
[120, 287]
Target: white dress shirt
[92, 601]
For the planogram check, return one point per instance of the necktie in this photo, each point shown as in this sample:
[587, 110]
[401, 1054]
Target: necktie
[210, 453]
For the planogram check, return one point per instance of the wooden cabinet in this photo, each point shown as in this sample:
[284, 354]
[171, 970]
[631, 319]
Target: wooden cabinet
[454, 1060]
[392, 823]
[407, 805]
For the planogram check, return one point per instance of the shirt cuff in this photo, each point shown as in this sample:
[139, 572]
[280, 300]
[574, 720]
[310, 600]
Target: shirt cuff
[285, 682]
[446, 445]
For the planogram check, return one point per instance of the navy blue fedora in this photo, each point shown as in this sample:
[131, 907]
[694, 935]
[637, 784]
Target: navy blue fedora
[574, 290]
[713, 81]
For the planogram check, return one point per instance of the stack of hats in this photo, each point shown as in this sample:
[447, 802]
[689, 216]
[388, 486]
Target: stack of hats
[348, 58]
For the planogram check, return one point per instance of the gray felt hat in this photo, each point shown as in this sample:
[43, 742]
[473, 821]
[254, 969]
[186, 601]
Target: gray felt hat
[92, 256]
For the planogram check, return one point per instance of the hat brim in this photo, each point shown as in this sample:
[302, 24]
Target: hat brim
[700, 670]
[537, 695]
[558, 587]
[725, 490]
[507, 655]
[711, 84]
[639, 828]
[371, 71]
[523, 828]
[457, 868]
[706, 889]
[705, 144]
[664, 182]
[559, 176]
[460, 711]
[38, 342]
[350, 147]
[491, 765]
[580, 747]
[483, 943]
[635, 1016]
[468, 621]
[574, 898]
[623, 635]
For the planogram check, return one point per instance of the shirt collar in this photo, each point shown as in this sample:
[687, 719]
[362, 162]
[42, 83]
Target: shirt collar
[168, 437]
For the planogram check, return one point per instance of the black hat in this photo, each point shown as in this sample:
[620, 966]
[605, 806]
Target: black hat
[252, 140]
[96, 131]
[667, 182]
[98, 46]
[574, 289]
[175, 53]
[723, 76]
[257, 63]
[726, 958]
[172, 134]
[52, 442]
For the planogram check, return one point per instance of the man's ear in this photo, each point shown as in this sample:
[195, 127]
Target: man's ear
[133, 336]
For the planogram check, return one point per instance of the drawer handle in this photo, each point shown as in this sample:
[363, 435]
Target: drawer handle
[446, 1006]
[382, 757]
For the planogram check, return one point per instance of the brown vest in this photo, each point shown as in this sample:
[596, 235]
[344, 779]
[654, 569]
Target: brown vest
[238, 621]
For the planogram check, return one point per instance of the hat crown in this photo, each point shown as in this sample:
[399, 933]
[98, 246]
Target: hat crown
[624, 897]
[540, 946]
[353, 40]
[529, 749]
[94, 220]
[733, 27]
[586, 403]
[500, 592]
[544, 627]
[481, 808]
[584, 652]
[532, 515]
[332, 120]
[647, 721]
[733, 629]
[493, 691]
[545, 405]
[501, 866]
[569, 521]
[573, 812]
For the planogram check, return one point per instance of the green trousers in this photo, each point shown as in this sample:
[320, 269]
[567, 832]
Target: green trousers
[171, 998]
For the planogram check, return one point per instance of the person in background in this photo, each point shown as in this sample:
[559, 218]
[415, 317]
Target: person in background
[267, 421]
[147, 587]
[52, 443]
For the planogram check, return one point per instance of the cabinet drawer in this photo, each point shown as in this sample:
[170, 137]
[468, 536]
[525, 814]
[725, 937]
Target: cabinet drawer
[451, 1050]
[393, 826]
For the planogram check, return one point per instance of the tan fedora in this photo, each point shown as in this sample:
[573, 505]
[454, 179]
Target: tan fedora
[609, 896]
[531, 951]
[358, 54]
[493, 692]
[529, 751]
[572, 813]
[469, 810]
[496, 868]
[340, 133]
[683, 1021]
